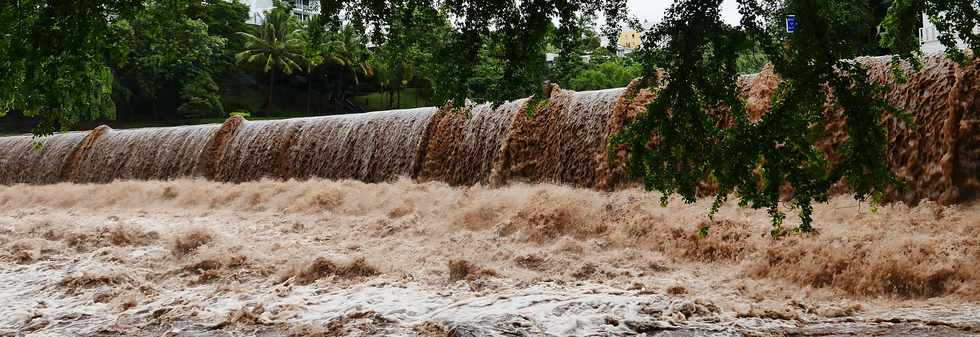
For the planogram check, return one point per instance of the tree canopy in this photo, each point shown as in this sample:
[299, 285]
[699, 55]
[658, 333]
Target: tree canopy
[276, 46]
[167, 46]
[516, 32]
[53, 57]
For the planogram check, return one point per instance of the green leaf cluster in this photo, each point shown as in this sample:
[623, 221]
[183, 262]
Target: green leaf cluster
[53, 59]
[614, 73]
[170, 47]
[493, 50]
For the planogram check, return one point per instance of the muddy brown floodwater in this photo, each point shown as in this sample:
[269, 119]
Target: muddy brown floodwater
[346, 258]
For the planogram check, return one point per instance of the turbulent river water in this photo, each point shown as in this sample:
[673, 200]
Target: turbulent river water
[346, 258]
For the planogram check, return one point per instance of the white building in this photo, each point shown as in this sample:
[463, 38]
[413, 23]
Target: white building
[302, 9]
[551, 57]
[929, 38]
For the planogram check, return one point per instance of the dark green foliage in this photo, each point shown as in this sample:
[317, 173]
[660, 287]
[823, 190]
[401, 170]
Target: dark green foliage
[199, 92]
[512, 33]
[85, 58]
[488, 72]
[523, 29]
[341, 60]
[570, 39]
[224, 19]
[614, 73]
[53, 57]
[275, 47]
[172, 50]
[751, 59]
[519, 40]
[700, 78]
[412, 34]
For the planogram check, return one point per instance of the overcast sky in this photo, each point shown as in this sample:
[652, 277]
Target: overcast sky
[652, 11]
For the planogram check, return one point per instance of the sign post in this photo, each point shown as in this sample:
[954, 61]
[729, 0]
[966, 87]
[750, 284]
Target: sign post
[791, 24]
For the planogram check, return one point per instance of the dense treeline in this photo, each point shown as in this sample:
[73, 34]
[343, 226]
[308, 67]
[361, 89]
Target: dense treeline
[186, 60]
[182, 60]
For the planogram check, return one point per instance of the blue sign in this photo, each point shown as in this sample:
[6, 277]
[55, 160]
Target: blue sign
[791, 23]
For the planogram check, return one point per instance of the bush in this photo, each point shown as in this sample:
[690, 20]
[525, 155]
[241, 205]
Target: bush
[243, 114]
[611, 74]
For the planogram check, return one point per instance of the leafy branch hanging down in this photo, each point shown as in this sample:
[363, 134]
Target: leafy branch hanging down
[696, 132]
[678, 142]
[955, 19]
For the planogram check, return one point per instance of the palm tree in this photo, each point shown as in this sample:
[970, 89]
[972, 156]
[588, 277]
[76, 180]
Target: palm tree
[277, 46]
[347, 50]
[312, 37]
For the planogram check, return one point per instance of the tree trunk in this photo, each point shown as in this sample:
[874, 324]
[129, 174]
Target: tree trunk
[272, 90]
[153, 104]
[323, 96]
[339, 94]
[356, 82]
[309, 92]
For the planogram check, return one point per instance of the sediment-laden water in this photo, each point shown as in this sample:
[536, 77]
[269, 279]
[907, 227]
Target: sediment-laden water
[378, 224]
[564, 140]
[143, 154]
[371, 147]
[25, 159]
[937, 156]
[464, 143]
[346, 258]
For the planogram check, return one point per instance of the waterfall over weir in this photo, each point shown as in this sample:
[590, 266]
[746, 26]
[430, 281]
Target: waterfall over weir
[565, 141]
[464, 144]
[143, 154]
[24, 161]
[371, 147]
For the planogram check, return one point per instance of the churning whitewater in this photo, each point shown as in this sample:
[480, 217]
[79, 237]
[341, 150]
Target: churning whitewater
[347, 258]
